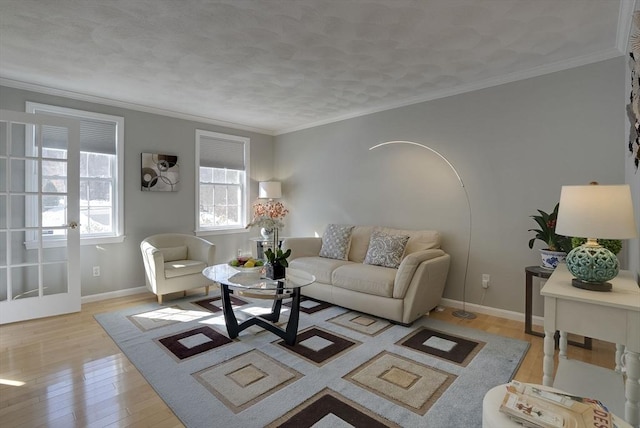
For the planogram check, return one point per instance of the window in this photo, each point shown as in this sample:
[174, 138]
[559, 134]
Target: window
[101, 166]
[222, 169]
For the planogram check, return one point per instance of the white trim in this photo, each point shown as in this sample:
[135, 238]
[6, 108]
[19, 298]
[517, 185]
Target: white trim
[487, 310]
[625, 19]
[246, 141]
[473, 86]
[114, 294]
[17, 84]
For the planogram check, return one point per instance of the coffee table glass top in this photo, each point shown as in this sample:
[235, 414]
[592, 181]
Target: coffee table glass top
[255, 280]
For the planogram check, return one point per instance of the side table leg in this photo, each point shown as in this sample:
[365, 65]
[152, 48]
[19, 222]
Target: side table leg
[632, 388]
[528, 303]
[563, 344]
[547, 363]
[619, 354]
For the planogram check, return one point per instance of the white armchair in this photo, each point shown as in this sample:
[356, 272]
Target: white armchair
[174, 262]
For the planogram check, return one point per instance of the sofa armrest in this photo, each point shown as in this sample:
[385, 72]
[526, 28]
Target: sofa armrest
[409, 267]
[302, 247]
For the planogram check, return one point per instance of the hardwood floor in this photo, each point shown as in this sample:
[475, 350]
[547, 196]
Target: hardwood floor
[66, 371]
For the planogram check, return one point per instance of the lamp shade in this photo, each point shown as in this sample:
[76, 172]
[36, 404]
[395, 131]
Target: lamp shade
[596, 211]
[269, 190]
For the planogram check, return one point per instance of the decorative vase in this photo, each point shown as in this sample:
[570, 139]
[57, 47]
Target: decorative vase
[274, 271]
[267, 234]
[550, 259]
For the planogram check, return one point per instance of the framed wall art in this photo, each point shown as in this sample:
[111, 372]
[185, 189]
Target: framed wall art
[160, 173]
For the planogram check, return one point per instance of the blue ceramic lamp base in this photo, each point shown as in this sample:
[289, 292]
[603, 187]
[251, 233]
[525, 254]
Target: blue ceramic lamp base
[592, 266]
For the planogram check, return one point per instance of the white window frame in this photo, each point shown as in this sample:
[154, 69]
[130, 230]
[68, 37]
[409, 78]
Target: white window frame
[117, 234]
[244, 212]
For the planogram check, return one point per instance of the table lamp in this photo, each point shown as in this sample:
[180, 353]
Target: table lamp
[593, 212]
[269, 190]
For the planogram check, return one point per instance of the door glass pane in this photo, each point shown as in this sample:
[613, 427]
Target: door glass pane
[24, 175]
[3, 139]
[54, 137]
[19, 253]
[3, 214]
[54, 176]
[3, 175]
[55, 216]
[24, 282]
[3, 284]
[3, 248]
[19, 217]
[55, 278]
[18, 139]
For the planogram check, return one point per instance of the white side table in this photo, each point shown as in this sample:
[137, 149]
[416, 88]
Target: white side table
[610, 316]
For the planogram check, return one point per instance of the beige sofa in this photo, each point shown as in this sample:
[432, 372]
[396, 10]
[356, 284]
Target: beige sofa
[400, 294]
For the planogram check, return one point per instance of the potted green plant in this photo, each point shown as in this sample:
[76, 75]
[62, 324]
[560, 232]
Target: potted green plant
[276, 263]
[557, 246]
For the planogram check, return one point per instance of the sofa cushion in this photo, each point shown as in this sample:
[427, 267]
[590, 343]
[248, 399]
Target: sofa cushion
[335, 241]
[369, 279]
[385, 249]
[183, 267]
[418, 239]
[320, 267]
[360, 237]
[171, 254]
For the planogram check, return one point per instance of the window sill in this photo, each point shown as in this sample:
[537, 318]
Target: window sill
[205, 232]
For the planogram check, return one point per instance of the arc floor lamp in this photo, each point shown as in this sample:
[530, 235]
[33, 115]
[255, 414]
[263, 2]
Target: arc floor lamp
[461, 313]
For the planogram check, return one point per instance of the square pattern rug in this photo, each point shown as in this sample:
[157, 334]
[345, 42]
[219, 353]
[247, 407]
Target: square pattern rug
[347, 369]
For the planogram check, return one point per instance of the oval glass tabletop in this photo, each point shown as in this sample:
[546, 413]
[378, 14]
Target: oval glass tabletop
[227, 275]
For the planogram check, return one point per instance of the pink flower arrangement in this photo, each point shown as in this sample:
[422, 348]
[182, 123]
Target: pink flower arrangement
[268, 215]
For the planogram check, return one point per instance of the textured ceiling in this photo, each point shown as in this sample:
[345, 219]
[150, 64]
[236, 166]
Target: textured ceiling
[279, 65]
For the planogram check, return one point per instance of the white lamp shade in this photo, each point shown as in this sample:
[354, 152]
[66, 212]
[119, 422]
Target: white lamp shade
[596, 211]
[269, 190]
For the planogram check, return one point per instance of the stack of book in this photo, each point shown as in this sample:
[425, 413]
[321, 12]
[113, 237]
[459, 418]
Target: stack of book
[536, 407]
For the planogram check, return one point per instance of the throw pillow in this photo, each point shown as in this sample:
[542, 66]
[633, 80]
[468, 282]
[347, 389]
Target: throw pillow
[336, 241]
[171, 254]
[386, 250]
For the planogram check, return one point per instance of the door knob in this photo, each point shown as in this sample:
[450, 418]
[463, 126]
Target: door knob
[73, 225]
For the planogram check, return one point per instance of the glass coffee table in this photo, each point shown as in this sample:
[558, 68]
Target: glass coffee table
[254, 284]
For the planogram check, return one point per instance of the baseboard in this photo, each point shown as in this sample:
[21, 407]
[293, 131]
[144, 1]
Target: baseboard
[113, 294]
[486, 310]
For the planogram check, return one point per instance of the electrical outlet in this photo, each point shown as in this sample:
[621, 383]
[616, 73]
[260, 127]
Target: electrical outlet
[96, 271]
[485, 280]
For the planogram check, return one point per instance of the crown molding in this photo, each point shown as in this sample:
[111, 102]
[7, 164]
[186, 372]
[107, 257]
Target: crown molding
[473, 86]
[127, 105]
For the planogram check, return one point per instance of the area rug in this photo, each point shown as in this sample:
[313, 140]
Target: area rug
[346, 369]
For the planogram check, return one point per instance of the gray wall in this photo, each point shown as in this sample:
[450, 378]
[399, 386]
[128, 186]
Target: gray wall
[148, 213]
[514, 145]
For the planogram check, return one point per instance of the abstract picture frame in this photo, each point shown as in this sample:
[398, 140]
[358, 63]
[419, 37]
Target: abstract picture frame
[159, 172]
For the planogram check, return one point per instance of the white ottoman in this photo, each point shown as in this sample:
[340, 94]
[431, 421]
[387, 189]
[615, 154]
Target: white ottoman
[492, 417]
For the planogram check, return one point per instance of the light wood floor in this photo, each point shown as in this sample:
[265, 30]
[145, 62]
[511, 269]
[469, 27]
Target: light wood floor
[70, 373]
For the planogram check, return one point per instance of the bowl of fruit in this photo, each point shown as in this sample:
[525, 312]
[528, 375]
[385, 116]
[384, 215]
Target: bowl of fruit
[247, 264]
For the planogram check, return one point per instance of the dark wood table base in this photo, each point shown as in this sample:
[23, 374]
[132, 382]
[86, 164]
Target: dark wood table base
[266, 321]
[542, 273]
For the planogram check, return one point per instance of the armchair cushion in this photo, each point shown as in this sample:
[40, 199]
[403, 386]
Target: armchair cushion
[183, 267]
[174, 253]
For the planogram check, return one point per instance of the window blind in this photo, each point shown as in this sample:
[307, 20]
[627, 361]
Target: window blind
[221, 153]
[95, 136]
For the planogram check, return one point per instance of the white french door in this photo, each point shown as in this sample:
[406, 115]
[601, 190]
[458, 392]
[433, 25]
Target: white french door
[39, 212]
